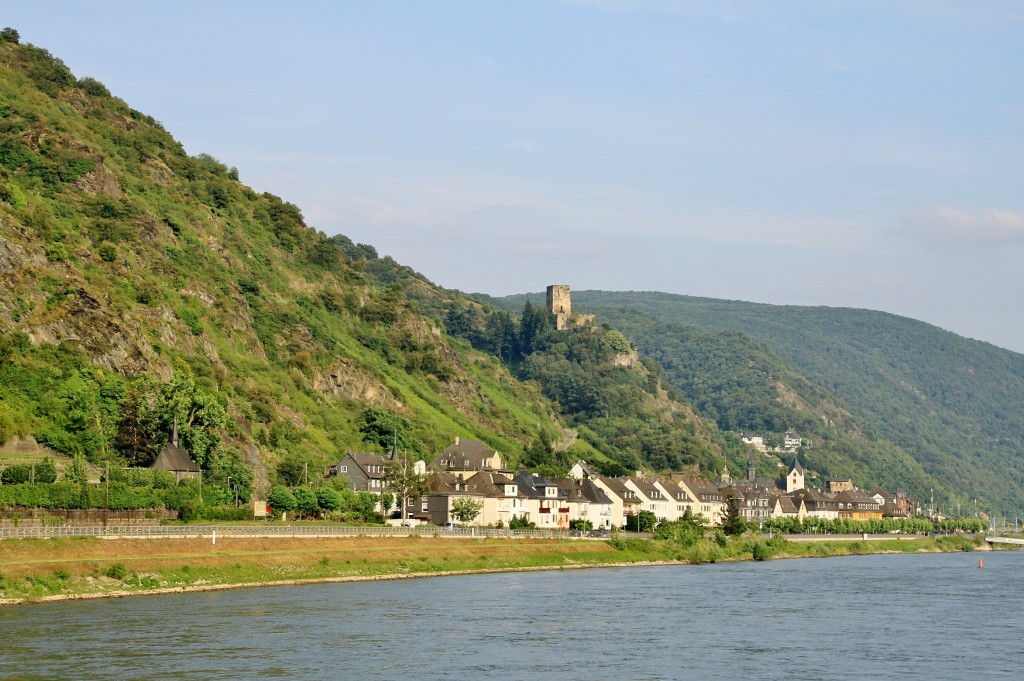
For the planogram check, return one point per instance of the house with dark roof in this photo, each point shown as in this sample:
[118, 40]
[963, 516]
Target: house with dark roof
[625, 501]
[466, 457]
[652, 497]
[176, 460]
[444, 489]
[364, 471]
[586, 501]
[789, 507]
[818, 504]
[708, 499]
[857, 505]
[754, 502]
[544, 504]
[837, 485]
[501, 496]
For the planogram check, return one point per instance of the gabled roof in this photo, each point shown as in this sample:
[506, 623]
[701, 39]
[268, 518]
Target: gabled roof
[675, 491]
[702, 488]
[796, 466]
[856, 496]
[582, 490]
[586, 468]
[365, 461]
[786, 505]
[175, 459]
[466, 455]
[533, 484]
[647, 488]
[491, 484]
[618, 488]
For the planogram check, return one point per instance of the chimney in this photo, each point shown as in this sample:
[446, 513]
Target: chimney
[174, 434]
[456, 439]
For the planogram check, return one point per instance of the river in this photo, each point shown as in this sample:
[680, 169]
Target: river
[930, 616]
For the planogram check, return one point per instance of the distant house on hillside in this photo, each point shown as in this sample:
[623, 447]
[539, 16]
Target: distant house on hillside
[837, 485]
[464, 458]
[756, 440]
[176, 460]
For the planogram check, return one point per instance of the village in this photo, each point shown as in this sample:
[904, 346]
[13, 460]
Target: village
[468, 473]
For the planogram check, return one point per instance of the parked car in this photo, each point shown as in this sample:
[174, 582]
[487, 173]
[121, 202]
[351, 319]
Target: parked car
[450, 527]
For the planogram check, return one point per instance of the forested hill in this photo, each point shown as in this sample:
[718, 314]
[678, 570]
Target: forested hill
[140, 286]
[919, 400]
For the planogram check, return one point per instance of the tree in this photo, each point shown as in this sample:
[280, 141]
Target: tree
[520, 523]
[93, 87]
[291, 470]
[140, 429]
[230, 467]
[403, 479]
[466, 509]
[387, 502]
[734, 524]
[305, 501]
[641, 521]
[386, 430]
[328, 500]
[534, 328]
[45, 471]
[78, 473]
[686, 530]
[16, 474]
[200, 416]
[9, 35]
[281, 500]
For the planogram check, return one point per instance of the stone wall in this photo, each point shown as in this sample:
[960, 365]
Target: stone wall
[41, 517]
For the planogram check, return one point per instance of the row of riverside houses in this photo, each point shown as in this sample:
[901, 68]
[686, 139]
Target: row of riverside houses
[469, 469]
[761, 498]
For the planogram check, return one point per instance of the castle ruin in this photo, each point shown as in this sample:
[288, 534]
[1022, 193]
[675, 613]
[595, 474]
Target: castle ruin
[560, 309]
[559, 305]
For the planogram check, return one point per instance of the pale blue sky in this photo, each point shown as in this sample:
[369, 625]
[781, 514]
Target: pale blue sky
[865, 154]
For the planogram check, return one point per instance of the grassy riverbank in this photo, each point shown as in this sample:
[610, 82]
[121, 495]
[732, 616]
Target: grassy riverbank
[45, 569]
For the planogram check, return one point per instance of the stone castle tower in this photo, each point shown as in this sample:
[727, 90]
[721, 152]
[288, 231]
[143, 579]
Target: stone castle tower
[559, 305]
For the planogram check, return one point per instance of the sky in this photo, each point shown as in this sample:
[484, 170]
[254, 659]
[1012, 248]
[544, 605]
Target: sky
[856, 154]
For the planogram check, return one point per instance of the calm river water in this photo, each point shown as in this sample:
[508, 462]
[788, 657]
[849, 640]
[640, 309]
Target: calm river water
[865, 617]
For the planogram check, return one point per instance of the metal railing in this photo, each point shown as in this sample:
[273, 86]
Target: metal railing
[271, 530]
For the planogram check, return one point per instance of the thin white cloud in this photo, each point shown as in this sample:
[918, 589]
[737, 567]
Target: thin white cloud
[948, 225]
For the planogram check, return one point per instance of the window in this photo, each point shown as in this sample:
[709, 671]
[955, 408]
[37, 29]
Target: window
[343, 469]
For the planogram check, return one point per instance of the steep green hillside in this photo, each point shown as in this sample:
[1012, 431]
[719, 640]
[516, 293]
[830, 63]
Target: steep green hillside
[956, 406]
[140, 285]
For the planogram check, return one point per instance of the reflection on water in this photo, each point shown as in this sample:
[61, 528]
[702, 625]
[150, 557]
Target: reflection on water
[866, 617]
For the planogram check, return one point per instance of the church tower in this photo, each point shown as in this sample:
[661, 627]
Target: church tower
[795, 479]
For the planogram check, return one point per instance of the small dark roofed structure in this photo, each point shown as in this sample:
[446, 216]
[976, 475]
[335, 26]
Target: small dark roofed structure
[176, 460]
